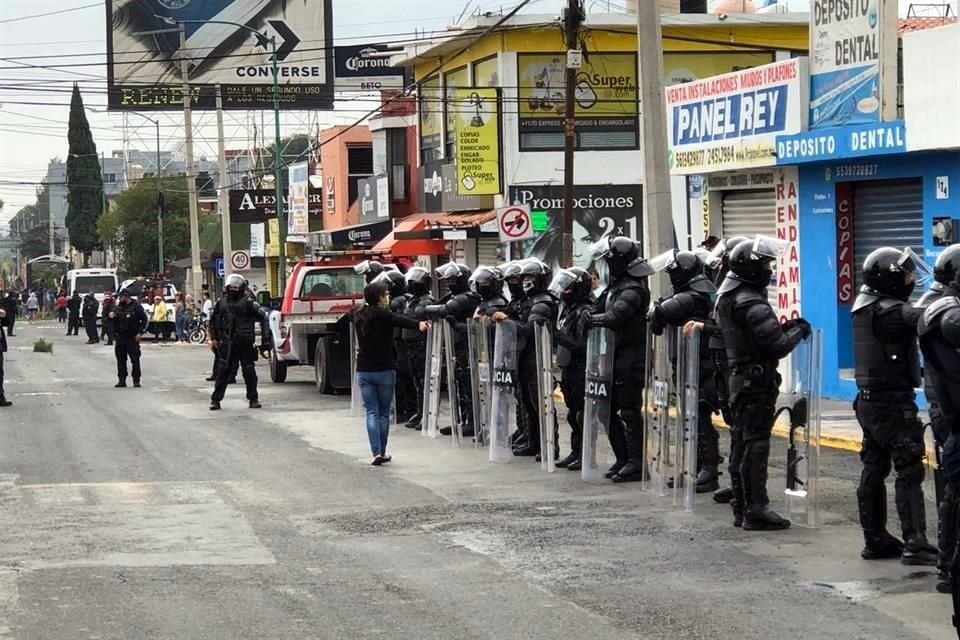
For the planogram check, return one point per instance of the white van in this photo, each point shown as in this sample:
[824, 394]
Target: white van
[83, 281]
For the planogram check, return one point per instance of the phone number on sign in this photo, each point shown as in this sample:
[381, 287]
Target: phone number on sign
[855, 170]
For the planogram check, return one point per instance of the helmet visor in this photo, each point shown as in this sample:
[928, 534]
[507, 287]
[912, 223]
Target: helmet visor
[663, 261]
[710, 259]
[910, 261]
[770, 247]
[416, 274]
[599, 249]
[561, 282]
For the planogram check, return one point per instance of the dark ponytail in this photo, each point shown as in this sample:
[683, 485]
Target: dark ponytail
[371, 295]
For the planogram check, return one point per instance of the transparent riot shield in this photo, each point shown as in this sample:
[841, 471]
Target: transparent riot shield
[449, 337]
[431, 381]
[547, 413]
[686, 422]
[659, 399]
[596, 452]
[356, 402]
[803, 441]
[480, 343]
[503, 397]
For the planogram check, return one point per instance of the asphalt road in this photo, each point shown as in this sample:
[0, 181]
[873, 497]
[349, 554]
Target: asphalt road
[138, 513]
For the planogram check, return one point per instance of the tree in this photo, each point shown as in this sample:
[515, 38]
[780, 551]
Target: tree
[293, 150]
[84, 181]
[36, 242]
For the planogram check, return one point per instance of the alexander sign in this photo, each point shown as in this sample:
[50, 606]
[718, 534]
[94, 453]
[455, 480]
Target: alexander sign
[253, 206]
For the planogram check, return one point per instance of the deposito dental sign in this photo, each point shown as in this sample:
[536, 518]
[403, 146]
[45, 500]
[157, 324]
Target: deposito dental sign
[731, 121]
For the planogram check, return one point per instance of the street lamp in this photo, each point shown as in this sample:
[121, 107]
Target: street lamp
[262, 40]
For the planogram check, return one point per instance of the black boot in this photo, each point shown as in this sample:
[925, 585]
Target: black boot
[633, 434]
[943, 583]
[214, 405]
[4, 402]
[708, 480]
[576, 465]
[946, 531]
[878, 543]
[757, 516]
[121, 384]
[255, 404]
[414, 421]
[913, 519]
[918, 552]
[572, 457]
[723, 496]
[614, 470]
[765, 519]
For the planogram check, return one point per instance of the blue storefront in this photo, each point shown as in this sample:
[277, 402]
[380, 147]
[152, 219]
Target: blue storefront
[859, 189]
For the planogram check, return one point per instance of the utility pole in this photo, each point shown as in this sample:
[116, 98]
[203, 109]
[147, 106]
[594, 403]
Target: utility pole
[196, 271]
[657, 213]
[160, 260]
[223, 197]
[572, 19]
[278, 187]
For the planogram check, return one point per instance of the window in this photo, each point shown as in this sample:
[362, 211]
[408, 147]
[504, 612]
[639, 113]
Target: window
[359, 166]
[451, 82]
[431, 121]
[110, 178]
[606, 102]
[327, 283]
[397, 156]
[486, 73]
[97, 284]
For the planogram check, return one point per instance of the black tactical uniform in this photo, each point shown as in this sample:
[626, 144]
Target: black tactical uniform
[3, 349]
[887, 371]
[105, 322]
[518, 308]
[691, 300]
[415, 341]
[89, 310]
[572, 286]
[456, 307]
[944, 271]
[755, 342]
[129, 323]
[10, 304]
[623, 308]
[541, 309]
[232, 329]
[73, 317]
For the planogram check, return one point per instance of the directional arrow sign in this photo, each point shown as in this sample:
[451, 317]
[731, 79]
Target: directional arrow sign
[290, 39]
[514, 223]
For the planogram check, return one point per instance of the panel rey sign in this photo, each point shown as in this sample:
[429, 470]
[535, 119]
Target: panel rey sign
[143, 53]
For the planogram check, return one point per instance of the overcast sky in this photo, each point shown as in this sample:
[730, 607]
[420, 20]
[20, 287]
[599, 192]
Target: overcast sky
[32, 134]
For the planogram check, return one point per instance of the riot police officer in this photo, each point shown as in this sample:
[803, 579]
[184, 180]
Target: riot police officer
[623, 308]
[539, 308]
[754, 341]
[939, 332]
[457, 306]
[232, 334]
[945, 269]
[692, 301]
[887, 371]
[574, 289]
[405, 391]
[518, 307]
[487, 282]
[129, 323]
[369, 269]
[418, 282]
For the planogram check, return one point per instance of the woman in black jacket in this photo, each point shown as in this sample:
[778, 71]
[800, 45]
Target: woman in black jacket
[377, 362]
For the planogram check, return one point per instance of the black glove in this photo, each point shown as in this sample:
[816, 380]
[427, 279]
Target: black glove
[434, 311]
[265, 349]
[596, 320]
[799, 323]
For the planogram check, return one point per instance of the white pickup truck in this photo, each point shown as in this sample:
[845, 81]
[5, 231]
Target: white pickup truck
[137, 286]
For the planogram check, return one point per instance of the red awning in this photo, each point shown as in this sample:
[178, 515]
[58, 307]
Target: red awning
[422, 247]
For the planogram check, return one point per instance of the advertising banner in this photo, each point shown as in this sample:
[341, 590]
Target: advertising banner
[847, 61]
[298, 186]
[598, 211]
[786, 190]
[143, 53]
[374, 199]
[732, 121]
[606, 92]
[696, 65]
[257, 241]
[842, 142]
[255, 206]
[363, 68]
[478, 141]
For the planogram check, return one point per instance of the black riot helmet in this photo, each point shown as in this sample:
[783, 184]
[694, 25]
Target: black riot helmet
[572, 285]
[418, 281]
[457, 277]
[235, 286]
[732, 243]
[369, 269]
[751, 260]
[892, 271]
[535, 275]
[619, 252]
[685, 269]
[394, 280]
[947, 266]
[486, 282]
[512, 275]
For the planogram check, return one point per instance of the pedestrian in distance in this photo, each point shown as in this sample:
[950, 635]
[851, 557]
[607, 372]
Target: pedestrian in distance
[3, 348]
[159, 317]
[105, 322]
[179, 318]
[73, 314]
[33, 306]
[89, 314]
[232, 334]
[377, 363]
[130, 322]
[61, 304]
[10, 303]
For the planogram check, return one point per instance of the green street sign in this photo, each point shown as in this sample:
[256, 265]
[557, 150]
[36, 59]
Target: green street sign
[540, 220]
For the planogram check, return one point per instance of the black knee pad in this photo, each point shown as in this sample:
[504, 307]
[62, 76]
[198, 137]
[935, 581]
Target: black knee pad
[911, 472]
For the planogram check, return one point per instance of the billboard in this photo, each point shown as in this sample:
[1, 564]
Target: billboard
[256, 206]
[478, 141]
[298, 188]
[732, 121]
[143, 53]
[364, 68]
[848, 84]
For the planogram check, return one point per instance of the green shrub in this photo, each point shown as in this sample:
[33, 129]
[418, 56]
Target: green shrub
[42, 346]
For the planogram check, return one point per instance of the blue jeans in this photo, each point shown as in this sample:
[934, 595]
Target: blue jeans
[376, 389]
[178, 324]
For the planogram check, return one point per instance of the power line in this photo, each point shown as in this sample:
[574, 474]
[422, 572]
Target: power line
[50, 13]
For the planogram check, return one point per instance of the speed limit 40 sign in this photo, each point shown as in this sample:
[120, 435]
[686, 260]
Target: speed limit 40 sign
[240, 261]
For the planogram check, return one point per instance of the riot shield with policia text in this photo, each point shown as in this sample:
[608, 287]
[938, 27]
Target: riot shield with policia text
[658, 398]
[596, 453]
[503, 397]
[547, 413]
[356, 402]
[687, 419]
[803, 440]
[480, 345]
[449, 336]
[431, 381]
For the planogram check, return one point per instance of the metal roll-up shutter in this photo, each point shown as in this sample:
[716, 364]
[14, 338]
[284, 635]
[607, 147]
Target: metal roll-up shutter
[886, 213]
[488, 251]
[749, 213]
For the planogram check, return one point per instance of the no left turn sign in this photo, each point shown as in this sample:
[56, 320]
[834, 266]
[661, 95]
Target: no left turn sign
[240, 261]
[514, 223]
